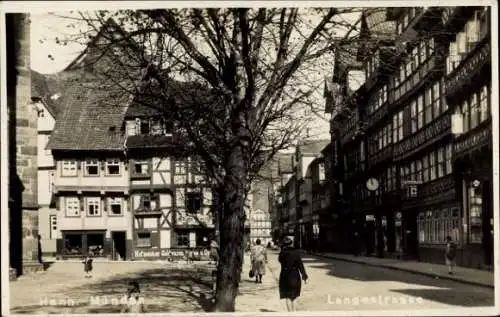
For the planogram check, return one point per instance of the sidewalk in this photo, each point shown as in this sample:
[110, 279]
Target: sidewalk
[263, 297]
[462, 274]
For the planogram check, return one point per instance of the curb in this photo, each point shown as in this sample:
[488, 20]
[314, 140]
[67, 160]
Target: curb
[444, 277]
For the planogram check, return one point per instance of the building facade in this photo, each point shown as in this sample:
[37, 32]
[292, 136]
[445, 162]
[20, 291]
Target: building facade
[260, 226]
[414, 133]
[47, 109]
[124, 187]
[171, 200]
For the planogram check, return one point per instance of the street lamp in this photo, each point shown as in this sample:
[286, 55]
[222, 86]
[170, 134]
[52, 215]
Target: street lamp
[372, 185]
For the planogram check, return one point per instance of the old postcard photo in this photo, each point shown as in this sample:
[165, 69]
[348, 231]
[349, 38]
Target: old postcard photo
[259, 157]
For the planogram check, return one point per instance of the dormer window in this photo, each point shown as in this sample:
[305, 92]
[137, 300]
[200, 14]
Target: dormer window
[144, 126]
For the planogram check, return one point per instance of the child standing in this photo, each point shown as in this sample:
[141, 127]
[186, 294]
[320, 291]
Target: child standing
[87, 262]
[450, 254]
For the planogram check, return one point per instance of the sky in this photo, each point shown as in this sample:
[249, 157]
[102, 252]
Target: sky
[44, 29]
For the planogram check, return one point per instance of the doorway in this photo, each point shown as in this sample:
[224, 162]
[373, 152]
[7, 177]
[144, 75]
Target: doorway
[119, 245]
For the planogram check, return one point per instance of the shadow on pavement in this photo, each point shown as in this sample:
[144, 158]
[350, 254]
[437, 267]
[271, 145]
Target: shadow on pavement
[466, 298]
[439, 290]
[163, 290]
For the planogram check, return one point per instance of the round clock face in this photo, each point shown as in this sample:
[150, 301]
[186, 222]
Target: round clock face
[372, 184]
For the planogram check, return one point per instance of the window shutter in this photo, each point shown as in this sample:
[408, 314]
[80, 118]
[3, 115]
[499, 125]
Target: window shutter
[82, 204]
[58, 203]
[104, 202]
[78, 165]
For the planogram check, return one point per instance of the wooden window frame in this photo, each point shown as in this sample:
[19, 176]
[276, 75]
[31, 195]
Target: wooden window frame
[95, 202]
[113, 163]
[65, 170]
[78, 206]
[91, 163]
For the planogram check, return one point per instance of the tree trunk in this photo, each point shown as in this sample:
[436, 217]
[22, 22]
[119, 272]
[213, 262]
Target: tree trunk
[231, 226]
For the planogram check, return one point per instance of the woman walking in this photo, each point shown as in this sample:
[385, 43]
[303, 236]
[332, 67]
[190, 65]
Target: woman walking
[292, 271]
[258, 257]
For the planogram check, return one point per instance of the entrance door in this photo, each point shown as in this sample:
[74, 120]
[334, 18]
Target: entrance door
[119, 248]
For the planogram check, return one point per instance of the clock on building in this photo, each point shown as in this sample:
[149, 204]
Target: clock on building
[372, 184]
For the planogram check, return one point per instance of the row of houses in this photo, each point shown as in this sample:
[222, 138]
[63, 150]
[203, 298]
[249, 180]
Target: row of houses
[410, 157]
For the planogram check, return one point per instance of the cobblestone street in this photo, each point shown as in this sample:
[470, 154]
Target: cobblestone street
[167, 287]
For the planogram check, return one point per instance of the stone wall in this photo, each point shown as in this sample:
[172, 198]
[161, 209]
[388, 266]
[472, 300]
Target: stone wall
[23, 208]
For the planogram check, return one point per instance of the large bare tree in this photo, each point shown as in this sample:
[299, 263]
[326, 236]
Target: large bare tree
[239, 83]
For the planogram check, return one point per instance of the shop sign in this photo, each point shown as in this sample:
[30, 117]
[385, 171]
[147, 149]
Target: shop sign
[147, 253]
[171, 253]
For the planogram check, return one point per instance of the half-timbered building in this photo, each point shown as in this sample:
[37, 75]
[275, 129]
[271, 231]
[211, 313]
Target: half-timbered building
[170, 195]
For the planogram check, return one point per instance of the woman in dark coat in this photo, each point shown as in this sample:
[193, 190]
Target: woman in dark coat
[292, 271]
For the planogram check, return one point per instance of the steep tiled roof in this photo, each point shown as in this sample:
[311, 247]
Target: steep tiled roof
[312, 146]
[155, 141]
[93, 113]
[40, 90]
[190, 94]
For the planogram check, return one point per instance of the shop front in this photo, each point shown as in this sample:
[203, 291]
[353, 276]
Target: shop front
[474, 163]
[81, 243]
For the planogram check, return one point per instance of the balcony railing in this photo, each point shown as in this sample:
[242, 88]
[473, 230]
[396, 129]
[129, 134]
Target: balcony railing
[431, 133]
[474, 139]
[469, 67]
[411, 84]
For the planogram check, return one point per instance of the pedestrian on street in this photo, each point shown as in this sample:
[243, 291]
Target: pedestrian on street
[292, 271]
[87, 266]
[258, 259]
[450, 254]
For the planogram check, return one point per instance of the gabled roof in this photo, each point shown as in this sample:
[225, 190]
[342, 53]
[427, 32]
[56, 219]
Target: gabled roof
[109, 31]
[375, 28]
[93, 114]
[191, 95]
[40, 91]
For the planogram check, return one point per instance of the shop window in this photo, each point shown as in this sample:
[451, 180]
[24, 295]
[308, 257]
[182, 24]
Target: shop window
[72, 205]
[183, 239]
[95, 243]
[475, 213]
[91, 168]
[143, 239]
[73, 243]
[68, 168]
